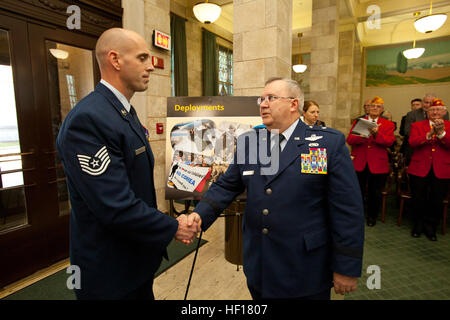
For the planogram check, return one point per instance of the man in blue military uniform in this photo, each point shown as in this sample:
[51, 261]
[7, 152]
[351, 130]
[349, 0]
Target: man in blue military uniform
[303, 226]
[117, 235]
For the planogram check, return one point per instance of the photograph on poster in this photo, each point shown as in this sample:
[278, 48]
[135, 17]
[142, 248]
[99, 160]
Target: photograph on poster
[199, 149]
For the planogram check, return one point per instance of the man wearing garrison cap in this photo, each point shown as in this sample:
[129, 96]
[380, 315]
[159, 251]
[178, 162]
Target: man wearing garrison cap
[429, 169]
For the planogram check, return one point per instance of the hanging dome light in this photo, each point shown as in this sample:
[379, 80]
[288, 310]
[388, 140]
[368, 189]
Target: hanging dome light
[299, 68]
[413, 53]
[59, 54]
[430, 23]
[207, 12]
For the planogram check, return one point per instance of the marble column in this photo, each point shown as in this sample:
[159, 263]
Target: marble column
[144, 16]
[345, 81]
[324, 58]
[262, 43]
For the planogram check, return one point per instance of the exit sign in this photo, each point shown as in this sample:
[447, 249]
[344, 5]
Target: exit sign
[161, 40]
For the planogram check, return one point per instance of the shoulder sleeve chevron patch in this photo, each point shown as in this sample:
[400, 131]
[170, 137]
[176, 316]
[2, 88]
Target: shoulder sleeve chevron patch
[95, 165]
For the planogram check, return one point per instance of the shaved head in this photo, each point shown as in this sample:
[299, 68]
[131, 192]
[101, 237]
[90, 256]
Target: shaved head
[116, 39]
[124, 60]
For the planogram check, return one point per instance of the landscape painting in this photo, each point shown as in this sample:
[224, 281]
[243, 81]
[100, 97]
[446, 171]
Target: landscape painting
[388, 66]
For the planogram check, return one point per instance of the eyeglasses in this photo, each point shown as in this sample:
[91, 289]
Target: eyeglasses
[436, 109]
[375, 106]
[270, 99]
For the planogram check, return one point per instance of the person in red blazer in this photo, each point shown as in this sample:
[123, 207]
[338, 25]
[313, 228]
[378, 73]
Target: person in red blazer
[370, 157]
[429, 169]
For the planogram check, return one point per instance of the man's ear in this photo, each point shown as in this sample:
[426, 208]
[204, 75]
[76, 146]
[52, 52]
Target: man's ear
[294, 105]
[113, 59]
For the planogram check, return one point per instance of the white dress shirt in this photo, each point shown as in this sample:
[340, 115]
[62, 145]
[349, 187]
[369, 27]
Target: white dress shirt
[126, 104]
[287, 134]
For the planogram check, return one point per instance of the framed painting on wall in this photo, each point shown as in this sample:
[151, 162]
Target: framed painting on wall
[386, 66]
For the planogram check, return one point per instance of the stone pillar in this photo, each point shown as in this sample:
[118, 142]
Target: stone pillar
[262, 43]
[345, 81]
[357, 103]
[324, 58]
[144, 16]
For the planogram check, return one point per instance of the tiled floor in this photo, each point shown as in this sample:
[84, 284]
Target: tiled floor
[411, 268]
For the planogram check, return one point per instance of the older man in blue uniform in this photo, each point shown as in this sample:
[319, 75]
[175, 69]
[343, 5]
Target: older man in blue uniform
[117, 235]
[303, 226]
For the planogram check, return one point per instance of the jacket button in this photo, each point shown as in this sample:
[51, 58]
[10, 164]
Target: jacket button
[433, 149]
[265, 231]
[269, 191]
[368, 147]
[265, 212]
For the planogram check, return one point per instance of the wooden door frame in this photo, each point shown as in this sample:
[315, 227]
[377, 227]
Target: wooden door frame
[13, 241]
[58, 232]
[96, 17]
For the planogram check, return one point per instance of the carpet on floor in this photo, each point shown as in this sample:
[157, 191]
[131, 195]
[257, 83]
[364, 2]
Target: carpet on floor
[54, 287]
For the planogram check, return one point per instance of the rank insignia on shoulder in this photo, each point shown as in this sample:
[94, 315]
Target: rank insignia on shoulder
[95, 165]
[315, 162]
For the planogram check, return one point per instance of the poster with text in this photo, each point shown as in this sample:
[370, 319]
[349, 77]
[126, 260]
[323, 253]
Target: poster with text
[201, 138]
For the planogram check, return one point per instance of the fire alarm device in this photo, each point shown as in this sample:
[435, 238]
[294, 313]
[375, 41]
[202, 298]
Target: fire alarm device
[158, 62]
[159, 128]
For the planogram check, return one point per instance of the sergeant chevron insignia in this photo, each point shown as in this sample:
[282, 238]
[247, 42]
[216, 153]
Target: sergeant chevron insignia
[95, 165]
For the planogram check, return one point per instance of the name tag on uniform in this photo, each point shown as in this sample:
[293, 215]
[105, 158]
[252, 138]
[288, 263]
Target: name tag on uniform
[140, 150]
[315, 162]
[248, 173]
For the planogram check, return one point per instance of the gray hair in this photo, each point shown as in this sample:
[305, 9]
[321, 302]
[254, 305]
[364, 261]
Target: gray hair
[293, 89]
[429, 95]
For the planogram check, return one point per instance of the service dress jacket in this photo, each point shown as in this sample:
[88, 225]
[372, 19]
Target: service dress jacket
[427, 154]
[372, 150]
[303, 220]
[117, 235]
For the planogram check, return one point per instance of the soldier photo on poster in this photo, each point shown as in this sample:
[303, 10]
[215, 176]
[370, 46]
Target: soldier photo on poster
[201, 140]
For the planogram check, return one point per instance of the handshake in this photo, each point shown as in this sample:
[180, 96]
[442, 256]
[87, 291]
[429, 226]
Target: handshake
[188, 227]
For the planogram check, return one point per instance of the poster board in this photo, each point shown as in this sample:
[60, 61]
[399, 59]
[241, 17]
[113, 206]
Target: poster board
[201, 137]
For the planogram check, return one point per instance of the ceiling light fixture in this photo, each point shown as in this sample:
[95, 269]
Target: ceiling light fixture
[299, 67]
[414, 52]
[430, 22]
[207, 12]
[59, 54]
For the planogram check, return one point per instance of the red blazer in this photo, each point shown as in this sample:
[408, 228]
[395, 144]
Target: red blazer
[372, 150]
[426, 153]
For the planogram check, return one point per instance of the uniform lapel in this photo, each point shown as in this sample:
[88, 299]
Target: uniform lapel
[141, 132]
[137, 127]
[291, 151]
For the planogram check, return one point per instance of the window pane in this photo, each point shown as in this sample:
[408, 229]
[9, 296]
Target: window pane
[13, 211]
[70, 80]
[225, 76]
